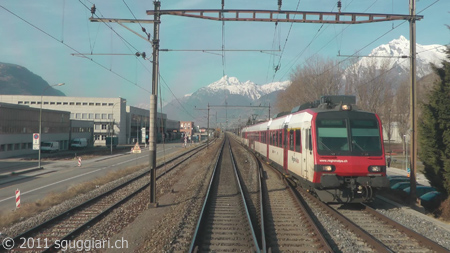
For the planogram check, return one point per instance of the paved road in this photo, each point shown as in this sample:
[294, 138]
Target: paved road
[58, 176]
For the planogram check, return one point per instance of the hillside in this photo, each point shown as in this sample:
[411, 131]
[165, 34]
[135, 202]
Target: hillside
[18, 80]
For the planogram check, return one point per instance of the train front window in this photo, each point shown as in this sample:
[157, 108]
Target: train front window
[332, 135]
[365, 136]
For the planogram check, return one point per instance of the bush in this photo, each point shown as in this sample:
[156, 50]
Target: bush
[444, 209]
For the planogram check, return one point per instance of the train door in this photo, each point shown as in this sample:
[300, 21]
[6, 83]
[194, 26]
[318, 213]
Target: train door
[307, 154]
[285, 148]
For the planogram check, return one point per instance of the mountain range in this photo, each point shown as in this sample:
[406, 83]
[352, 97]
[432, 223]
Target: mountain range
[232, 92]
[18, 80]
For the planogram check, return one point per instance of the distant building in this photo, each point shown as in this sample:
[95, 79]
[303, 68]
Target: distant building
[18, 123]
[104, 117]
[187, 128]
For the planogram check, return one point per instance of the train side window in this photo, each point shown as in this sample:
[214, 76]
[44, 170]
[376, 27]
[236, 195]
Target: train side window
[298, 145]
[291, 140]
[280, 138]
[309, 140]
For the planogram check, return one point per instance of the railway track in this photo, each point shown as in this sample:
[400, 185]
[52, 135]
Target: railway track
[225, 223]
[367, 229]
[66, 226]
[371, 230]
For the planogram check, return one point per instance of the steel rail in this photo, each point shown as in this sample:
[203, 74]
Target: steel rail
[240, 182]
[200, 222]
[411, 233]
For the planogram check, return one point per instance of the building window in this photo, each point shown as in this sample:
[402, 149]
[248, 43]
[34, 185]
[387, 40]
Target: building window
[91, 103]
[78, 103]
[85, 103]
[104, 126]
[104, 116]
[111, 104]
[91, 115]
[45, 103]
[110, 116]
[65, 103]
[19, 102]
[71, 103]
[33, 102]
[52, 103]
[103, 137]
[84, 116]
[98, 126]
[72, 115]
[58, 103]
[97, 137]
[78, 116]
[97, 116]
[104, 104]
[97, 104]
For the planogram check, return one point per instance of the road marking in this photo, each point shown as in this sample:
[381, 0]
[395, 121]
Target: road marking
[45, 186]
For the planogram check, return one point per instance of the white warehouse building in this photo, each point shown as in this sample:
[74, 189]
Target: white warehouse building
[126, 121]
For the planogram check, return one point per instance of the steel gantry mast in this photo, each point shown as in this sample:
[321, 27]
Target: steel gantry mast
[245, 15]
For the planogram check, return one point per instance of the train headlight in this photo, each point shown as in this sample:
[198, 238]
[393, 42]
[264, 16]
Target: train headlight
[327, 168]
[346, 107]
[375, 168]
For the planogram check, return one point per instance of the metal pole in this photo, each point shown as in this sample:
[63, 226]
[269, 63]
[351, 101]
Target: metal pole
[40, 130]
[153, 104]
[413, 97]
[207, 131]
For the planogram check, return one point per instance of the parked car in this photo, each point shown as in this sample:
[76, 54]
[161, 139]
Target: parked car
[431, 200]
[79, 143]
[400, 186]
[395, 180]
[50, 146]
[420, 190]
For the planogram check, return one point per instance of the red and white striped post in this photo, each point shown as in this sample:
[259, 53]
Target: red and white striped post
[79, 161]
[17, 198]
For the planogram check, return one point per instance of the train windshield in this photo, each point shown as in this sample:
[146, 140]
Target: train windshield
[333, 135]
[349, 135]
[365, 136]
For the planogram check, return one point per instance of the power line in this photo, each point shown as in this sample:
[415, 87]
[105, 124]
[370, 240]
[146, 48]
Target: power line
[70, 47]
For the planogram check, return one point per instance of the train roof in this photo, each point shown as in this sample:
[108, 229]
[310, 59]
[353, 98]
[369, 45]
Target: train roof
[327, 103]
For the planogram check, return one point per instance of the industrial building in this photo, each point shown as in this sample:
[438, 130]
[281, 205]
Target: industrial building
[109, 117]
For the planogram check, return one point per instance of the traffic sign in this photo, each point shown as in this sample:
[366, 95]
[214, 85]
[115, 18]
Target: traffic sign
[136, 149]
[36, 141]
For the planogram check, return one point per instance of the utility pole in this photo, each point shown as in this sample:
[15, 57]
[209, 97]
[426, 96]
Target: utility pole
[413, 97]
[207, 127]
[153, 103]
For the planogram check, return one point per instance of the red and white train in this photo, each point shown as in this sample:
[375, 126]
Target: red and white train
[333, 149]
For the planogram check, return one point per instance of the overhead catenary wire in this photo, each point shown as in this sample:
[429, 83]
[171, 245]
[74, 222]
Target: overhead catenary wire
[68, 46]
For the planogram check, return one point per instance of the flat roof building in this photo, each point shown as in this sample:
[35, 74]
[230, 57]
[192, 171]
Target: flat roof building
[111, 117]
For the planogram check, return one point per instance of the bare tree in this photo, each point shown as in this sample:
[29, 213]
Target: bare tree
[316, 78]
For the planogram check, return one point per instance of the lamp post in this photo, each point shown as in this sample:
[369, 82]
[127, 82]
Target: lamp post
[40, 120]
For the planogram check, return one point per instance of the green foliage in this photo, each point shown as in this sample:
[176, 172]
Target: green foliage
[434, 131]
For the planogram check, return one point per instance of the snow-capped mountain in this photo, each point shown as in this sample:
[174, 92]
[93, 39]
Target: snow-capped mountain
[398, 49]
[247, 89]
[229, 91]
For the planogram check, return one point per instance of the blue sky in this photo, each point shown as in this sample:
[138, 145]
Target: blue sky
[61, 28]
